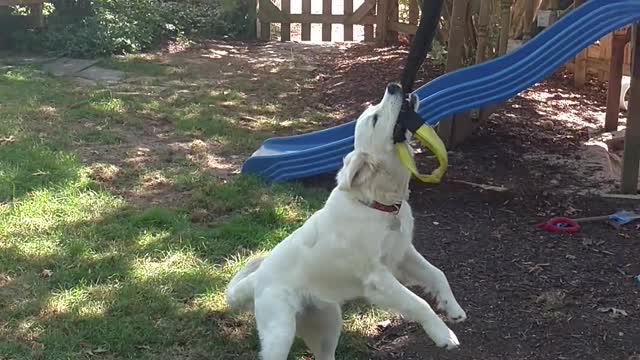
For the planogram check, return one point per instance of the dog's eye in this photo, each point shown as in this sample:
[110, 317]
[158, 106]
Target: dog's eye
[375, 120]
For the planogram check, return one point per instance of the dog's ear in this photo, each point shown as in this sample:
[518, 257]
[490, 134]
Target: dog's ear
[357, 169]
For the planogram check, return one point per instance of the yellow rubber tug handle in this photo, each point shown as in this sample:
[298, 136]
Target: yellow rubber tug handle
[429, 138]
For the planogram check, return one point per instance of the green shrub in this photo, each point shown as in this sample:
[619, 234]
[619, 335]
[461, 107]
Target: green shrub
[103, 27]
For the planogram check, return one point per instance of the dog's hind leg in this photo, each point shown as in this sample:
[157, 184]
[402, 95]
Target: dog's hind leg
[275, 311]
[319, 325]
[418, 271]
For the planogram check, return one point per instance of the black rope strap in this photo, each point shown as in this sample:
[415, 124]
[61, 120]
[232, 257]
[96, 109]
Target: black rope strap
[422, 42]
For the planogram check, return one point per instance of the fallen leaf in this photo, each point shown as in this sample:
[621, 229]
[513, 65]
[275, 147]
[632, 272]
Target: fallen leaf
[46, 273]
[100, 350]
[8, 140]
[571, 211]
[613, 312]
[384, 324]
[537, 268]
[36, 346]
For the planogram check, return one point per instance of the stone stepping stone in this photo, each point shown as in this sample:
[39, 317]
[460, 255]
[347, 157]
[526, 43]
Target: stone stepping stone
[99, 74]
[68, 66]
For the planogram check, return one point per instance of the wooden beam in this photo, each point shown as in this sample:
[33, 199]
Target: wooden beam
[36, 16]
[580, 67]
[348, 28]
[631, 156]
[598, 65]
[326, 26]
[253, 14]
[366, 9]
[381, 23]
[20, 2]
[414, 12]
[285, 27]
[269, 12]
[483, 30]
[306, 27]
[368, 28]
[455, 53]
[329, 19]
[394, 16]
[414, 16]
[264, 15]
[408, 29]
[529, 11]
[505, 24]
[616, 64]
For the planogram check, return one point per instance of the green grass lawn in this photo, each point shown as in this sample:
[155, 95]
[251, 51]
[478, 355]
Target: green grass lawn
[89, 266]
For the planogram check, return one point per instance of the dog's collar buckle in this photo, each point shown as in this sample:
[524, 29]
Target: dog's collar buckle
[393, 209]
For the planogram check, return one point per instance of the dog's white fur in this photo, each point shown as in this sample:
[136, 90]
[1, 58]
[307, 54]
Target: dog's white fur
[347, 250]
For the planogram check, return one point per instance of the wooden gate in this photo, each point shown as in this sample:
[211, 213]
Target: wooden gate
[381, 19]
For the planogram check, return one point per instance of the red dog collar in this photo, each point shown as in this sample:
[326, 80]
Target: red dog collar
[395, 208]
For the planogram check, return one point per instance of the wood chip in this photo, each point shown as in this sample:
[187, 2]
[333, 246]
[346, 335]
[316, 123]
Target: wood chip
[622, 196]
[483, 186]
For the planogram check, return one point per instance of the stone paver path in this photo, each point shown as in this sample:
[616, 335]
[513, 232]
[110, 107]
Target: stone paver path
[85, 71]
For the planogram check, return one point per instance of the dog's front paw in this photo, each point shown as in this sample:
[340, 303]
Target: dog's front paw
[456, 314]
[445, 338]
[452, 309]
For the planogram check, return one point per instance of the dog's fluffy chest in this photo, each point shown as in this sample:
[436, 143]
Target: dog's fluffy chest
[367, 237]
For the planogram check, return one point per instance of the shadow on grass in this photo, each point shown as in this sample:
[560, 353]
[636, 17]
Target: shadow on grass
[135, 283]
[28, 166]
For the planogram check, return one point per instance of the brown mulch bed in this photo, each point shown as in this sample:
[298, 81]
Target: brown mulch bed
[528, 294]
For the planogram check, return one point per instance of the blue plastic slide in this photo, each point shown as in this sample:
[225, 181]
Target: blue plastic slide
[474, 87]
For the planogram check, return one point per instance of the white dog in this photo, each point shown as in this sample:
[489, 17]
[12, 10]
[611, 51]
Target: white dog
[358, 245]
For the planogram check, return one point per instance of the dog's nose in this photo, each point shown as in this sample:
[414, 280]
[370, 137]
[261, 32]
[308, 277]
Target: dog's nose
[394, 88]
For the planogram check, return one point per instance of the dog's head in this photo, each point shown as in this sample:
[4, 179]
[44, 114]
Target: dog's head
[373, 167]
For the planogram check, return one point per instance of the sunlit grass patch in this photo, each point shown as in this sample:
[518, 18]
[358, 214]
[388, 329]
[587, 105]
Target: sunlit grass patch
[87, 271]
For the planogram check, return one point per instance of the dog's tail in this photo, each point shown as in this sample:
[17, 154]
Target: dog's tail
[239, 293]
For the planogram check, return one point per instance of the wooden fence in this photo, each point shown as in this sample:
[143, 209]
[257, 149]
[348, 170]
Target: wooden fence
[35, 9]
[381, 19]
[599, 58]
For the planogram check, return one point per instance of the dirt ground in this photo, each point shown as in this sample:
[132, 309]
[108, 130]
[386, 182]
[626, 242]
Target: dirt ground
[528, 294]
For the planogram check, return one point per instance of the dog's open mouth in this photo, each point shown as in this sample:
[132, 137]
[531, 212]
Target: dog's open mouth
[409, 120]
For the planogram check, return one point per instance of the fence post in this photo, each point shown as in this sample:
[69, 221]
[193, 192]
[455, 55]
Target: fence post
[505, 24]
[580, 62]
[306, 27]
[348, 28]
[36, 16]
[483, 30]
[631, 157]
[414, 15]
[394, 15]
[618, 43]
[285, 28]
[253, 16]
[454, 58]
[368, 28]
[326, 27]
[529, 11]
[382, 22]
[264, 30]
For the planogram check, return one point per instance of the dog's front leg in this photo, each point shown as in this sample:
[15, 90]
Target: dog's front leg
[383, 289]
[422, 273]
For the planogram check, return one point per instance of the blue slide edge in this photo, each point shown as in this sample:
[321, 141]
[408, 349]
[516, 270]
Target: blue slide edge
[492, 82]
